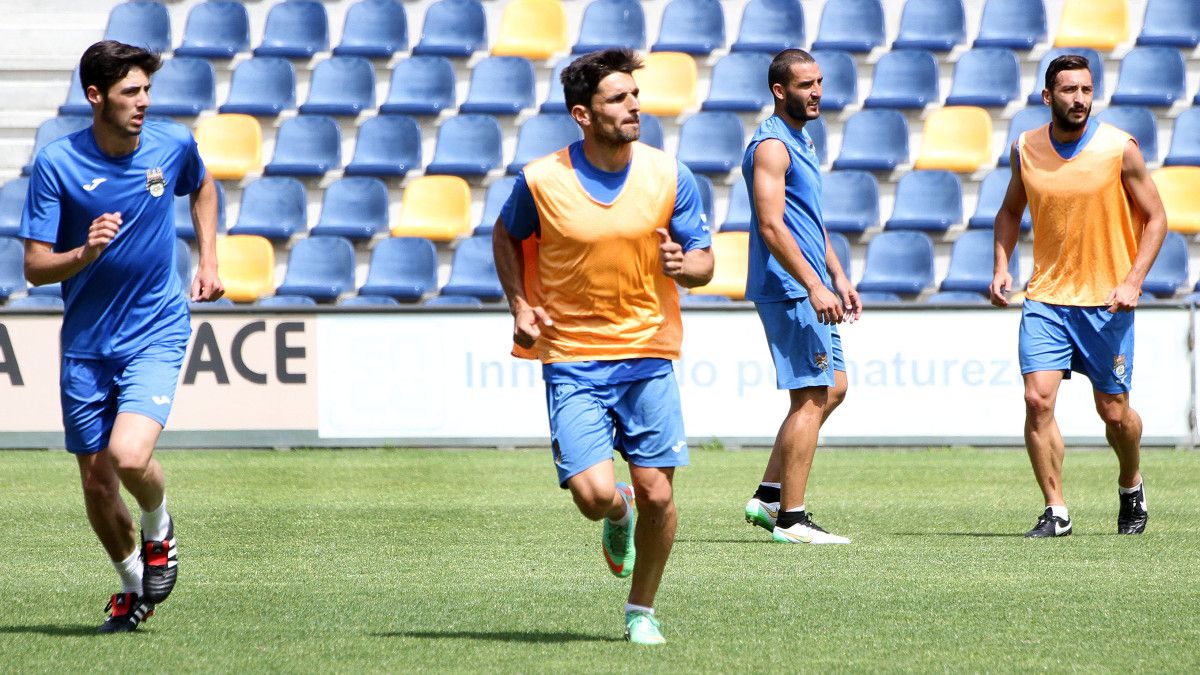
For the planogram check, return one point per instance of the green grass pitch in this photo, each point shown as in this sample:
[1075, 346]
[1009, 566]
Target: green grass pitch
[401, 561]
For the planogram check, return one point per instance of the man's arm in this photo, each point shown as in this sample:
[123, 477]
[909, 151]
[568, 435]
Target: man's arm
[510, 268]
[1145, 197]
[691, 269]
[1006, 229]
[207, 286]
[44, 266]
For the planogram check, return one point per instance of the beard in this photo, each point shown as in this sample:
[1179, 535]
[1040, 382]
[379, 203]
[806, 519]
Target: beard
[620, 135]
[798, 109]
[1064, 122]
[112, 120]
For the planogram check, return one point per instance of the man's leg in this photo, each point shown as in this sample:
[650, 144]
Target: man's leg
[1123, 428]
[595, 492]
[837, 394]
[130, 449]
[655, 531]
[1043, 441]
[796, 443]
[106, 510]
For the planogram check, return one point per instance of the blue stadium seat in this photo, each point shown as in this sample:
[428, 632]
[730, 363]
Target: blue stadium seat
[991, 196]
[296, 29]
[1025, 120]
[50, 290]
[454, 302]
[611, 23]
[1185, 142]
[927, 200]
[453, 28]
[652, 130]
[12, 267]
[541, 135]
[986, 77]
[52, 130]
[712, 142]
[306, 146]
[898, 262]
[849, 201]
[737, 215]
[275, 207]
[1171, 23]
[184, 86]
[321, 268]
[183, 264]
[876, 298]
[386, 146]
[355, 207]
[341, 85]
[500, 85]
[1137, 121]
[374, 29]
[216, 29]
[840, 73]
[297, 302]
[737, 83]
[493, 202]
[12, 204]
[1012, 24]
[851, 26]
[696, 300]
[467, 145]
[473, 271]
[379, 301]
[907, 78]
[142, 24]
[183, 214]
[691, 27]
[841, 248]
[1150, 76]
[262, 85]
[816, 131]
[36, 302]
[770, 26]
[971, 263]
[212, 306]
[1095, 64]
[1169, 273]
[704, 187]
[76, 103]
[936, 25]
[421, 85]
[957, 298]
[874, 140]
[402, 268]
[556, 101]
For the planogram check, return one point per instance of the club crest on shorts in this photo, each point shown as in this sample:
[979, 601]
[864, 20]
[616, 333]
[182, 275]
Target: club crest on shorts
[1119, 366]
[821, 359]
[155, 182]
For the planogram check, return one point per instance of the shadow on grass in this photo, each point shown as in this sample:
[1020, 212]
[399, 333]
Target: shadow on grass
[1016, 535]
[717, 540]
[76, 630]
[500, 636]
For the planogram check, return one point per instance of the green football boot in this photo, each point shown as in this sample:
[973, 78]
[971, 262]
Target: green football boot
[641, 628]
[617, 540]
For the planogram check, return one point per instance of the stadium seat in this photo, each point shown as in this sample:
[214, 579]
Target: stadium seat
[493, 202]
[667, 83]
[957, 138]
[374, 29]
[906, 78]
[971, 263]
[851, 26]
[53, 129]
[611, 23]
[378, 301]
[263, 85]
[421, 85]
[541, 135]
[387, 146]
[730, 253]
[849, 201]
[306, 146]
[737, 215]
[704, 187]
[1026, 119]
[402, 268]
[533, 29]
[1150, 76]
[183, 264]
[556, 101]
[874, 140]
[691, 27]
[841, 248]
[770, 26]
[53, 290]
[142, 24]
[215, 29]
[454, 302]
[230, 145]
[927, 200]
[467, 145]
[500, 85]
[12, 204]
[37, 302]
[183, 214]
[898, 262]
[434, 207]
[1138, 122]
[355, 207]
[652, 131]
[1012, 24]
[247, 267]
[296, 29]
[1169, 273]
[986, 77]
[286, 301]
[737, 83]
[341, 85]
[712, 142]
[321, 268]
[1095, 64]
[76, 103]
[935, 25]
[957, 298]
[454, 28]
[876, 298]
[691, 300]
[1098, 24]
[991, 197]
[212, 305]
[1179, 187]
[840, 74]
[184, 86]
[275, 207]
[12, 267]
[473, 271]
[1185, 140]
[1171, 23]
[816, 131]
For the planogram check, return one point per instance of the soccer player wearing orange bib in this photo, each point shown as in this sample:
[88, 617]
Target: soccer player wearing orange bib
[1098, 223]
[589, 247]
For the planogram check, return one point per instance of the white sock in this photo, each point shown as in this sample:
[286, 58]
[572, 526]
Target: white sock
[1129, 491]
[154, 523]
[798, 509]
[630, 607]
[1059, 511]
[130, 571]
[623, 521]
[770, 485]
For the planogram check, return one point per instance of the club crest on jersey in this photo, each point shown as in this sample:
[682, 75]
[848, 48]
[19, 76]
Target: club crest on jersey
[821, 359]
[1119, 366]
[155, 182]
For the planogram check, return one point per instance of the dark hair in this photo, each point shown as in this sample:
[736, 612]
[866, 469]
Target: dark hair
[780, 71]
[580, 79]
[1064, 62]
[106, 62]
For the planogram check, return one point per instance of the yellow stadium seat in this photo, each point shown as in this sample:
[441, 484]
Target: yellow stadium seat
[731, 254]
[535, 29]
[435, 207]
[231, 145]
[247, 266]
[667, 83]
[956, 138]
[1179, 187]
[1099, 24]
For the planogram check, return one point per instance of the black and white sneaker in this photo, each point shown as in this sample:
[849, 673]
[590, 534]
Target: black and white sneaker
[160, 565]
[1050, 525]
[1132, 517]
[125, 612]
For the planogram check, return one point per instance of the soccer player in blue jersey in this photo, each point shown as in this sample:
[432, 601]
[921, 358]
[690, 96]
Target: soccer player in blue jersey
[800, 291]
[99, 218]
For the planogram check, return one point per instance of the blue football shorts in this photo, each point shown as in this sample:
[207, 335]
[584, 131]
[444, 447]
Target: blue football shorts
[806, 352]
[1088, 340]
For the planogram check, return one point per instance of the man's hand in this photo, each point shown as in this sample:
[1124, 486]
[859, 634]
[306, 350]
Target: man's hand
[1124, 298]
[100, 234]
[207, 286]
[670, 254]
[850, 300]
[527, 323]
[827, 305]
[998, 290]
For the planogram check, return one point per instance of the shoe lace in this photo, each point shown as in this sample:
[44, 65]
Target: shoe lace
[615, 536]
[808, 521]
